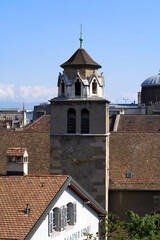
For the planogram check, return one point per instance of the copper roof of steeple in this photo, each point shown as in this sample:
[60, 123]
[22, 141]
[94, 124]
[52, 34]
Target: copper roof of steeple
[81, 59]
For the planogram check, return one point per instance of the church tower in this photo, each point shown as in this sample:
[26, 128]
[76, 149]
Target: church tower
[80, 126]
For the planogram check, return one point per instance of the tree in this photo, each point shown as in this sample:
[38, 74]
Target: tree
[144, 228]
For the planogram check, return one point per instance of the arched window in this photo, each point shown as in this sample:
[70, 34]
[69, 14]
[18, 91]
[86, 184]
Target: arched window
[63, 87]
[94, 87]
[77, 88]
[71, 121]
[84, 121]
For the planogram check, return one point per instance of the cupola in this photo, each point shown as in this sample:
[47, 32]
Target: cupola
[80, 78]
[150, 92]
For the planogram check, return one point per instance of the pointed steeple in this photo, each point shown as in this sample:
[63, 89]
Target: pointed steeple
[81, 37]
[23, 107]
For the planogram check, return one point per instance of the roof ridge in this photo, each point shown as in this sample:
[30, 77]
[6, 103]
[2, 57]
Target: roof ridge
[38, 119]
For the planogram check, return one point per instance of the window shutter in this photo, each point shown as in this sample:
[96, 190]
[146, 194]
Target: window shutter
[69, 213]
[61, 219]
[65, 217]
[50, 223]
[57, 219]
[74, 213]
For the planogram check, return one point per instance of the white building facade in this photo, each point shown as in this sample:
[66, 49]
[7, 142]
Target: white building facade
[65, 223]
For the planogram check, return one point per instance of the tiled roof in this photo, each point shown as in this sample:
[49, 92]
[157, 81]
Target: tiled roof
[38, 149]
[81, 58]
[16, 152]
[138, 153]
[16, 193]
[139, 123]
[41, 124]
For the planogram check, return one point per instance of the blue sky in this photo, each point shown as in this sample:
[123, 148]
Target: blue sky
[36, 36]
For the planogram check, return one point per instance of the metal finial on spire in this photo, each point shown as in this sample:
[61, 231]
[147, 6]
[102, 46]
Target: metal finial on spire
[81, 37]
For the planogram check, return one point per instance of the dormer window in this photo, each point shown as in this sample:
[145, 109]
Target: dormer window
[63, 87]
[94, 87]
[77, 88]
[17, 161]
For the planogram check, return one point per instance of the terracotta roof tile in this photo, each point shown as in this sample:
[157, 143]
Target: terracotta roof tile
[81, 58]
[139, 123]
[138, 153]
[38, 149]
[41, 124]
[16, 152]
[16, 192]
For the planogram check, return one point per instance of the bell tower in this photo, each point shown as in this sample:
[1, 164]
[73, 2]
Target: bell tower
[80, 126]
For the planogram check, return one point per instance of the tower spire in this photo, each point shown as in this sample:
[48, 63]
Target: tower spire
[81, 37]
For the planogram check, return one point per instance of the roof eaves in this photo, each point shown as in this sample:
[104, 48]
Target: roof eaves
[73, 184]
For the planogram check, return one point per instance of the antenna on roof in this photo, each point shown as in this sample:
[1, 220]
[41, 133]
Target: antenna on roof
[81, 37]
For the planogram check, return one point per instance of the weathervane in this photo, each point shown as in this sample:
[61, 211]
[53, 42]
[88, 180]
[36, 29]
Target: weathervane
[81, 37]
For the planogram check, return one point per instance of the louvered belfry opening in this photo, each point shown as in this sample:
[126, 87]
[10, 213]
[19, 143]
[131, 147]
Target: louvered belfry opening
[84, 121]
[71, 121]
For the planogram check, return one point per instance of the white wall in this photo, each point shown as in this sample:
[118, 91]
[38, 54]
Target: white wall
[87, 220]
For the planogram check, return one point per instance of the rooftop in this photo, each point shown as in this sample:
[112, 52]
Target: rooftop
[138, 154]
[41, 124]
[153, 80]
[16, 152]
[139, 123]
[81, 59]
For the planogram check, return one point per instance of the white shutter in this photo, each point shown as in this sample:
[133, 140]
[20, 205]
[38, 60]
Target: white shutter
[61, 219]
[50, 223]
[74, 213]
[65, 216]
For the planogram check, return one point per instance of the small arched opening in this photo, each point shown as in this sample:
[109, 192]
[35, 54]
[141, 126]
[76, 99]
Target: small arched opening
[94, 87]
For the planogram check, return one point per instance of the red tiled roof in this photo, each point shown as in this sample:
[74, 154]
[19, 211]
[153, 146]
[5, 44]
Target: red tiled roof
[16, 152]
[138, 153]
[81, 58]
[16, 193]
[42, 124]
[139, 123]
[37, 145]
